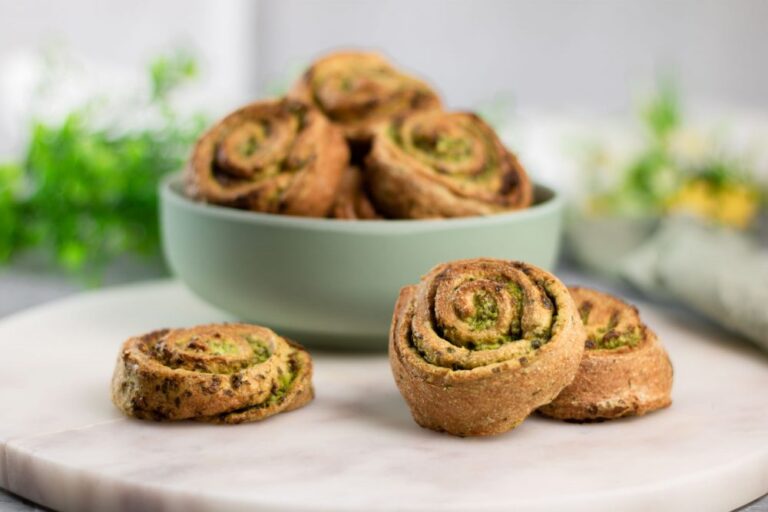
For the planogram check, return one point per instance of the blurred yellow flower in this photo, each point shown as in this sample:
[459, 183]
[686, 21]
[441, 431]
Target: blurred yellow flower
[731, 204]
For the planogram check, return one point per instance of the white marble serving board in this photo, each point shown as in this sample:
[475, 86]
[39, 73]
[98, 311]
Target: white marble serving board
[63, 445]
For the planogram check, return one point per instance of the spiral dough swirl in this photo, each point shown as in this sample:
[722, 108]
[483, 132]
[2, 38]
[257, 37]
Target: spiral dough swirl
[221, 373]
[359, 90]
[479, 344]
[277, 156]
[440, 164]
[625, 370]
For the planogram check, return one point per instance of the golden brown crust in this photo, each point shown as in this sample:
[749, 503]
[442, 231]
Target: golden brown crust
[437, 164]
[274, 156]
[625, 370]
[359, 90]
[479, 344]
[219, 373]
[352, 201]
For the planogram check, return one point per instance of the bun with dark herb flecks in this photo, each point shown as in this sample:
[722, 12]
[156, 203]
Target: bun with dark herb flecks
[218, 373]
[625, 370]
[439, 164]
[272, 156]
[360, 90]
[479, 344]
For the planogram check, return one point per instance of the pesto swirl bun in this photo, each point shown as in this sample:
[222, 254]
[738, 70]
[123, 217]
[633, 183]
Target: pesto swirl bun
[219, 373]
[625, 370]
[440, 164]
[479, 344]
[358, 90]
[274, 156]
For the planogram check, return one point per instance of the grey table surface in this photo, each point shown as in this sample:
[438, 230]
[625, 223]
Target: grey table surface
[27, 284]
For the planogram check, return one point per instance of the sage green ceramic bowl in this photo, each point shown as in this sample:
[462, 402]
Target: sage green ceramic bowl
[334, 283]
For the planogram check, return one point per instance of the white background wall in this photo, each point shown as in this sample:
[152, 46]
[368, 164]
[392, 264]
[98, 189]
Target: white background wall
[549, 54]
[129, 33]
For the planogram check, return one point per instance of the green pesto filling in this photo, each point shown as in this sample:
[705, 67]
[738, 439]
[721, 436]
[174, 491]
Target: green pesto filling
[284, 382]
[606, 339]
[395, 135]
[486, 313]
[249, 146]
[501, 340]
[260, 350]
[443, 147]
[451, 148]
[219, 347]
[516, 291]
[346, 84]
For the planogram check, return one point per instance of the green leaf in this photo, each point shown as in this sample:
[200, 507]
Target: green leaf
[87, 194]
[10, 187]
[662, 113]
[169, 72]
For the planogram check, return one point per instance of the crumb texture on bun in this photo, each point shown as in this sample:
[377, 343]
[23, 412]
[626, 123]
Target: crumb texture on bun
[479, 344]
[625, 370]
[444, 164]
[219, 373]
[352, 201]
[359, 90]
[273, 156]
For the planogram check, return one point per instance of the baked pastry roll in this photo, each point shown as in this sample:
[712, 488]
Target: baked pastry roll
[352, 201]
[219, 373]
[358, 90]
[479, 344]
[440, 164]
[625, 370]
[275, 156]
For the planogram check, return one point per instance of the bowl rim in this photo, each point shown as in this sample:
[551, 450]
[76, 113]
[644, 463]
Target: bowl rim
[170, 193]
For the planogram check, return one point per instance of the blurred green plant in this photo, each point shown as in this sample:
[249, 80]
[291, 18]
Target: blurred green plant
[169, 72]
[85, 194]
[677, 170]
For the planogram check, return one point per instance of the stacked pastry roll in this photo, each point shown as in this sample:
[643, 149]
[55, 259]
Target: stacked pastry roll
[478, 345]
[356, 138]
[475, 347]
[439, 164]
[358, 91]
